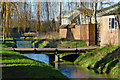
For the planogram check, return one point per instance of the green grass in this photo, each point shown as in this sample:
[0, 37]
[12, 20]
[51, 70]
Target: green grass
[27, 38]
[7, 38]
[59, 44]
[15, 65]
[72, 44]
[101, 60]
[53, 37]
[9, 44]
[116, 71]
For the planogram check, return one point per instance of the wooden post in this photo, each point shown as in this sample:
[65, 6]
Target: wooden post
[56, 58]
[51, 58]
[56, 61]
[56, 65]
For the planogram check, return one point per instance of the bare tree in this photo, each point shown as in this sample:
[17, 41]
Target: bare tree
[60, 11]
[38, 15]
[41, 25]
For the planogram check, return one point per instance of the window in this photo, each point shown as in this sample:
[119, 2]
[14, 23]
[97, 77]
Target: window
[113, 22]
[116, 22]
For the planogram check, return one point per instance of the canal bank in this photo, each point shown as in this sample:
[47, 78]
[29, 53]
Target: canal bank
[70, 70]
[15, 65]
[102, 61]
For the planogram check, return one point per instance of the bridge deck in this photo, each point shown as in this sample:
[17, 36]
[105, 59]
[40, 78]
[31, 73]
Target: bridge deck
[51, 50]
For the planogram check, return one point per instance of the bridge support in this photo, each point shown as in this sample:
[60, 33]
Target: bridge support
[53, 58]
[56, 57]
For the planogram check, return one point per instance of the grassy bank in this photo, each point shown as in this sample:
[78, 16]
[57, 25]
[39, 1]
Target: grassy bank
[15, 65]
[7, 38]
[9, 44]
[59, 43]
[102, 60]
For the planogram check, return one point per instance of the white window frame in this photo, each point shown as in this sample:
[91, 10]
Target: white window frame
[114, 27]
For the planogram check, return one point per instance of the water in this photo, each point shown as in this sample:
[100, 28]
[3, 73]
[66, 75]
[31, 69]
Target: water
[70, 70]
[23, 44]
[39, 57]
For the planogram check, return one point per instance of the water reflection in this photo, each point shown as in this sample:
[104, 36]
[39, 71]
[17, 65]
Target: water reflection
[71, 71]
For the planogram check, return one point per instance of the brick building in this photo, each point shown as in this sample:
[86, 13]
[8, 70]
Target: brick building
[110, 30]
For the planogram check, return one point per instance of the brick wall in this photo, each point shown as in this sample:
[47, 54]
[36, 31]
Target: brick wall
[81, 32]
[62, 33]
[76, 32]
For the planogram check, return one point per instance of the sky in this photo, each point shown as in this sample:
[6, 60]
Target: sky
[64, 8]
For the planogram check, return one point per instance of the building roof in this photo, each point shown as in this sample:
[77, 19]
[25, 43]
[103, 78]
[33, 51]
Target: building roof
[67, 26]
[116, 11]
[74, 13]
[113, 9]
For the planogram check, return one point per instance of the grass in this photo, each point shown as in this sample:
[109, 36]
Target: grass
[26, 38]
[15, 65]
[9, 44]
[102, 60]
[7, 38]
[72, 44]
[116, 71]
[59, 44]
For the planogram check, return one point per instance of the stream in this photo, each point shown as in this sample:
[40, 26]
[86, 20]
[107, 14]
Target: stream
[70, 70]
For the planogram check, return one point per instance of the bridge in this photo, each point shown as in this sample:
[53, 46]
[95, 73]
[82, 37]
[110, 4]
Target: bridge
[53, 50]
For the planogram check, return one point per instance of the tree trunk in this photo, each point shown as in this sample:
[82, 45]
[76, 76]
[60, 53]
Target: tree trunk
[3, 21]
[47, 11]
[41, 25]
[96, 31]
[60, 11]
[38, 16]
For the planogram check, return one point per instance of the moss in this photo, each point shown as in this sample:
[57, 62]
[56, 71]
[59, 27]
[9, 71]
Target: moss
[15, 65]
[101, 60]
[116, 71]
